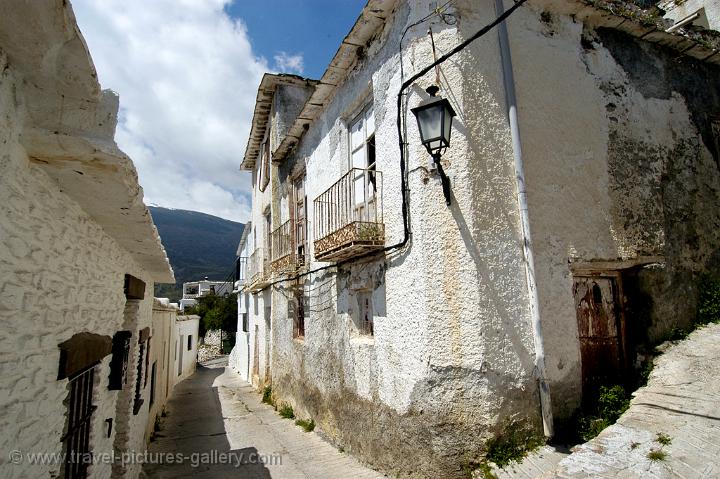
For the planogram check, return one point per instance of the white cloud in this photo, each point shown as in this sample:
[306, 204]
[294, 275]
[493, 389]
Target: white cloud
[187, 79]
[287, 63]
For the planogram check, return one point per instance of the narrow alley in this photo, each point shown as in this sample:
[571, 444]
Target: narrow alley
[216, 426]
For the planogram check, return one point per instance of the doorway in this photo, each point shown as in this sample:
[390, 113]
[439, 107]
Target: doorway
[601, 331]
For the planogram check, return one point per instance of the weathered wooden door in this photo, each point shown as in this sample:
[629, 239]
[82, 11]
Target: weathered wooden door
[600, 328]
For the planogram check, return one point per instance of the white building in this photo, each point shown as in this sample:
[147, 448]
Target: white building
[196, 289]
[239, 359]
[172, 356]
[584, 199]
[79, 256]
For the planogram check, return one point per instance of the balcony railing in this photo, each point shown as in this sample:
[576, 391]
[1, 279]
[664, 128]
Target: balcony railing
[349, 216]
[258, 269]
[288, 247]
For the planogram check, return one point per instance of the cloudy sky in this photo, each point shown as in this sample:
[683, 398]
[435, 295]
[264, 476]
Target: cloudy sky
[187, 73]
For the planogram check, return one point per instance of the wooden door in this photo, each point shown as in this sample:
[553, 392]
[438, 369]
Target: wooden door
[600, 330]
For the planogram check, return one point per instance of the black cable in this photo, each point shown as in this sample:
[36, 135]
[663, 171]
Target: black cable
[403, 87]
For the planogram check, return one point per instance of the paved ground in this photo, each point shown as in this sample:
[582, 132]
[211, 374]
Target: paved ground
[215, 417]
[681, 400]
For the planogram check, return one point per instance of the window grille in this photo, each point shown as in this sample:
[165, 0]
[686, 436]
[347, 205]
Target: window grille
[80, 411]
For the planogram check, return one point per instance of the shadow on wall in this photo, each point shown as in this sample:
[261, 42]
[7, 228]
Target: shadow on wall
[192, 439]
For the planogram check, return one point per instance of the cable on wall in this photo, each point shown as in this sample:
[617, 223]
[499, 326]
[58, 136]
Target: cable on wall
[403, 166]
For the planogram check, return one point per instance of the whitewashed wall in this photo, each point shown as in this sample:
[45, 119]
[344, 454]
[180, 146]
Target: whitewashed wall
[60, 274]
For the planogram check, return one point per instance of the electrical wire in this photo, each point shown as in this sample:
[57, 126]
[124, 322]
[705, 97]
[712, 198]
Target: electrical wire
[403, 186]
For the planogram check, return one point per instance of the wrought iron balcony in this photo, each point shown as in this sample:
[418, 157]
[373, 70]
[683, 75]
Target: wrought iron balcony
[258, 270]
[288, 247]
[349, 216]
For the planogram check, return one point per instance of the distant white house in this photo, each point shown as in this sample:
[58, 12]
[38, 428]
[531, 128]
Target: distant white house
[197, 289]
[240, 356]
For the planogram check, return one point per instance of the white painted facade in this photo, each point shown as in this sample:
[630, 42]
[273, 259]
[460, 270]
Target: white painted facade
[451, 361]
[701, 13]
[239, 359]
[173, 357]
[196, 289]
[72, 227]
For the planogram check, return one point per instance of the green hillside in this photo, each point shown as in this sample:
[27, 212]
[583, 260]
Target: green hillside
[197, 245]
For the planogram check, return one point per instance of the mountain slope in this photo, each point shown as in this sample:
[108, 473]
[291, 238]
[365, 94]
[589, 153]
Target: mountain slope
[197, 245]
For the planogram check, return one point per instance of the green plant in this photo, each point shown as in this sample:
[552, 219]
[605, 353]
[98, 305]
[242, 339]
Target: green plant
[516, 441]
[663, 439]
[156, 426]
[267, 395]
[645, 372]
[611, 403]
[709, 300]
[286, 411]
[677, 334]
[485, 469]
[634, 445]
[307, 426]
[656, 455]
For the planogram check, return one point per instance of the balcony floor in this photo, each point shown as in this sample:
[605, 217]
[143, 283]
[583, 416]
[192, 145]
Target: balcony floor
[351, 240]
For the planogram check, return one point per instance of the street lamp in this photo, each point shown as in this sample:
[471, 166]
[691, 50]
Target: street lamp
[434, 117]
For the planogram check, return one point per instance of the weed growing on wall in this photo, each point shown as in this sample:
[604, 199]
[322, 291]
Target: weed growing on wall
[286, 411]
[307, 426]
[612, 402]
[267, 395]
[512, 445]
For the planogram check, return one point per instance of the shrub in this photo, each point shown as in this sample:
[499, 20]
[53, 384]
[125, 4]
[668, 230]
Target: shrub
[708, 300]
[308, 426]
[611, 404]
[513, 445]
[663, 439]
[267, 395]
[656, 455]
[286, 411]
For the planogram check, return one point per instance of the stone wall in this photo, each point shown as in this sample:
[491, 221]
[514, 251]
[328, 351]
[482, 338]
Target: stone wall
[450, 363]
[60, 274]
[621, 164]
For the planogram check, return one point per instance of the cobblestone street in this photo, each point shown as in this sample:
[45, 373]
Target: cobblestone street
[215, 420]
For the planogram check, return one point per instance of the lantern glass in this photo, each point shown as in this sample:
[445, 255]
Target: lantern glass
[434, 122]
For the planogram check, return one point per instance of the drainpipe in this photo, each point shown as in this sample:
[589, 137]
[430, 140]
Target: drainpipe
[509, 83]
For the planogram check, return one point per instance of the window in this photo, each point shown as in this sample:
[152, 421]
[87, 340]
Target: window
[268, 236]
[365, 313]
[264, 168]
[300, 213]
[298, 307]
[120, 360]
[362, 157]
[244, 317]
[189, 342]
[143, 358]
[80, 412]
[153, 376]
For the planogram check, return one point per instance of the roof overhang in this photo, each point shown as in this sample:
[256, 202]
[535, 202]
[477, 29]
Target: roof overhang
[70, 126]
[366, 28]
[263, 109]
[629, 18]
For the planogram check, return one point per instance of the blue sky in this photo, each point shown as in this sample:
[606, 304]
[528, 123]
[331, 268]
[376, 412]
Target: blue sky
[311, 28]
[187, 73]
